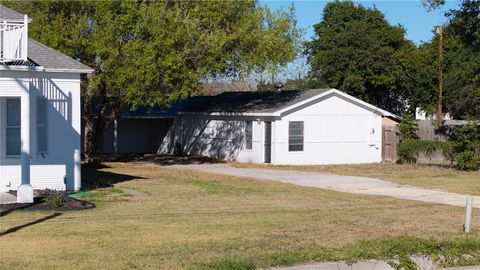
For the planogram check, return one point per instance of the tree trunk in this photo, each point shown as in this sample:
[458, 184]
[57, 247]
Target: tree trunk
[88, 121]
[100, 111]
[95, 122]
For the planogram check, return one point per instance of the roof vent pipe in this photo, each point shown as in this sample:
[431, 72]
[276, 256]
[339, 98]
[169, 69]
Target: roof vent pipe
[278, 87]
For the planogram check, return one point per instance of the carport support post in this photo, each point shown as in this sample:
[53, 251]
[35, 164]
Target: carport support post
[25, 190]
[115, 136]
[468, 214]
[77, 169]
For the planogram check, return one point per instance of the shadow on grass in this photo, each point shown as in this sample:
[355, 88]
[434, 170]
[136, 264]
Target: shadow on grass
[163, 160]
[6, 211]
[94, 177]
[19, 227]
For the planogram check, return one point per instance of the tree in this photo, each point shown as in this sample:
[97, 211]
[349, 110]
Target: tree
[461, 63]
[357, 51]
[432, 4]
[155, 52]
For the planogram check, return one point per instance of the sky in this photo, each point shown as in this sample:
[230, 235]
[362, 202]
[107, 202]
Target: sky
[417, 21]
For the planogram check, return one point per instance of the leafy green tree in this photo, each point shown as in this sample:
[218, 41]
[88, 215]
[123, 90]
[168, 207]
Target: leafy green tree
[432, 4]
[155, 52]
[461, 65]
[357, 51]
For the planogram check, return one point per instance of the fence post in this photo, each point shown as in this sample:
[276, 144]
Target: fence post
[468, 214]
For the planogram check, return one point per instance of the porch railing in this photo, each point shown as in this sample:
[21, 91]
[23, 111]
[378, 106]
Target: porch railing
[14, 40]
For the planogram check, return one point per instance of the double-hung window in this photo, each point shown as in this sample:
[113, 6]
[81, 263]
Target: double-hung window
[295, 136]
[13, 139]
[41, 125]
[248, 135]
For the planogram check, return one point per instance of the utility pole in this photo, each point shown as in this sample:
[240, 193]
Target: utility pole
[440, 76]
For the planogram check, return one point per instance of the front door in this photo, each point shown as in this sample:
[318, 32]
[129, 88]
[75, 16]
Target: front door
[268, 142]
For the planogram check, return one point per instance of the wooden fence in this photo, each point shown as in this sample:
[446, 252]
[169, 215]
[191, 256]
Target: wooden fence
[428, 131]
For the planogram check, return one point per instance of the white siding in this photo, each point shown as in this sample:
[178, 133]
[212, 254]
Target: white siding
[336, 131]
[62, 91]
[218, 137]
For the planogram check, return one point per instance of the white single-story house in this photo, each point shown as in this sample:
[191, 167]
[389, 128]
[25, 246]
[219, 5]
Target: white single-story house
[39, 112]
[297, 127]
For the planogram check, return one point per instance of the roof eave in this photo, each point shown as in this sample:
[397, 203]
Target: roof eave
[228, 114]
[21, 68]
[340, 93]
[15, 20]
[81, 71]
[41, 68]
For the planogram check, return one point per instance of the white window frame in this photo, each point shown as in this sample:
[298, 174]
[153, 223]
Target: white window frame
[19, 127]
[290, 136]
[248, 134]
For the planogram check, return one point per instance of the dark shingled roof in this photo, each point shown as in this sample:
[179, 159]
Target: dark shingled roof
[266, 102]
[9, 14]
[251, 102]
[228, 102]
[52, 59]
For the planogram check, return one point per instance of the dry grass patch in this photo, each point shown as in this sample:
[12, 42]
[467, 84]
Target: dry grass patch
[187, 220]
[428, 176]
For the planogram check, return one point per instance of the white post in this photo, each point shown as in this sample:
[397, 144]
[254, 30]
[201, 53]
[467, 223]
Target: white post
[25, 190]
[77, 171]
[468, 214]
[5, 40]
[25, 38]
[115, 136]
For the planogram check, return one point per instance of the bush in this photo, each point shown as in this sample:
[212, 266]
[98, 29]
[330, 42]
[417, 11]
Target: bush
[467, 161]
[408, 149]
[466, 147]
[408, 128]
[54, 200]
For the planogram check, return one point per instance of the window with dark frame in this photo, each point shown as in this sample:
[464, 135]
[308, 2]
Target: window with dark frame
[295, 136]
[248, 135]
[13, 139]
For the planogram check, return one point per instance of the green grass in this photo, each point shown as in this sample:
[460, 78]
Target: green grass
[398, 248]
[192, 220]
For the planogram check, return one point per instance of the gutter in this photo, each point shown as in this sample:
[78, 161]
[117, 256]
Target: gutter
[41, 68]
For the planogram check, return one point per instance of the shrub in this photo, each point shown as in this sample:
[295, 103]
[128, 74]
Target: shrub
[466, 147]
[409, 149]
[467, 161]
[54, 200]
[408, 128]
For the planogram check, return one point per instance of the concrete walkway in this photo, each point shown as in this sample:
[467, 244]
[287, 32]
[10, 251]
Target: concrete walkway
[341, 183]
[7, 198]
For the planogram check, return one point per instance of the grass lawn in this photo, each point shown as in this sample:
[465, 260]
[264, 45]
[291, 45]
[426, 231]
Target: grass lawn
[192, 220]
[428, 176]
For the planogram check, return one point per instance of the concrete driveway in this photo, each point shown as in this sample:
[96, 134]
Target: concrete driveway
[341, 183]
[7, 198]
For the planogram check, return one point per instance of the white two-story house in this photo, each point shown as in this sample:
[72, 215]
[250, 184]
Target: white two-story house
[39, 112]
